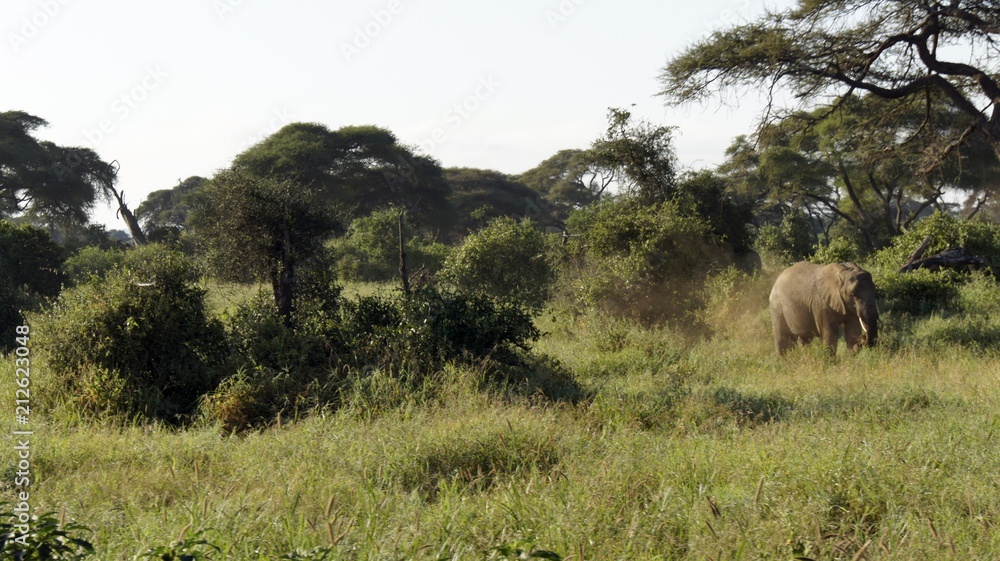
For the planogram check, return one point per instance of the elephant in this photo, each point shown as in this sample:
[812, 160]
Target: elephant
[810, 300]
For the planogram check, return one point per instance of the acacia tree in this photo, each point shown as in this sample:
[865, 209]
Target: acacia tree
[354, 170]
[822, 50]
[164, 213]
[481, 195]
[570, 179]
[265, 226]
[52, 184]
[860, 166]
[639, 156]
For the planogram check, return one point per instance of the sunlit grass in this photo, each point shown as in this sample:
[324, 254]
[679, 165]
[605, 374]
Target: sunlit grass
[686, 447]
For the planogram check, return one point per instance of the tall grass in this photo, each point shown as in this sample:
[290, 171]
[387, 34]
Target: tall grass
[680, 447]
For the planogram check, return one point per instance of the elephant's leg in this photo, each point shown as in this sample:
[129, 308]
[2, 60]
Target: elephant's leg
[785, 343]
[831, 336]
[783, 339]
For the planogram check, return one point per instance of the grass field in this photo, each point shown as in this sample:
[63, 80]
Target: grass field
[684, 448]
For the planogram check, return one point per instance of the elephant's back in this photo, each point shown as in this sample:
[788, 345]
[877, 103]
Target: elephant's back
[796, 280]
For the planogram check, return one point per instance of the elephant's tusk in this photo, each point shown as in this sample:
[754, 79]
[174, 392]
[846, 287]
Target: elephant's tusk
[863, 327]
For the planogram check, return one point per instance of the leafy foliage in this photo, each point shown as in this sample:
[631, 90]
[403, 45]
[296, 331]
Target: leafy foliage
[924, 291]
[370, 250]
[506, 260]
[263, 227]
[289, 370]
[48, 538]
[137, 342]
[789, 241]
[30, 272]
[354, 169]
[817, 50]
[432, 326]
[480, 196]
[859, 166]
[92, 261]
[643, 262]
[839, 250]
[640, 156]
[944, 231]
[54, 184]
[570, 179]
[164, 213]
[707, 195]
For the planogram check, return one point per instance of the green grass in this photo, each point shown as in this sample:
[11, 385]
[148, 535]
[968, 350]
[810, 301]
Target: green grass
[223, 296]
[687, 448]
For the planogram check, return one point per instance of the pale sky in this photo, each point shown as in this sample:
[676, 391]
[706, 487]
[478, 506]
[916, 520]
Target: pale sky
[177, 88]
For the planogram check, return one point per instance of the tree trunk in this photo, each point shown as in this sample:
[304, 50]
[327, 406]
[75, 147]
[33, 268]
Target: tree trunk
[951, 258]
[133, 225]
[404, 278]
[284, 282]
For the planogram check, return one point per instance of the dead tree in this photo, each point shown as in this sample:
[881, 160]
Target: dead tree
[951, 258]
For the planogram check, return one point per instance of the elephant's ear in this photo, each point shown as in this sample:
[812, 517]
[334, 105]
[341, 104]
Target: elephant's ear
[831, 285]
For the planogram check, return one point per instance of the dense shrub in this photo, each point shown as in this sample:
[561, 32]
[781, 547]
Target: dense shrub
[370, 250]
[507, 260]
[838, 250]
[945, 231]
[432, 326]
[642, 262]
[728, 217]
[787, 242]
[92, 261]
[288, 370]
[918, 293]
[30, 273]
[259, 338]
[137, 342]
[256, 395]
[969, 316]
[924, 291]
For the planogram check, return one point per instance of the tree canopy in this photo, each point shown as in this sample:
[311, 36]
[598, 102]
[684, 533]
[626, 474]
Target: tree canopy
[822, 50]
[265, 226]
[354, 169]
[570, 179]
[480, 196]
[639, 156]
[859, 167]
[54, 185]
[167, 210]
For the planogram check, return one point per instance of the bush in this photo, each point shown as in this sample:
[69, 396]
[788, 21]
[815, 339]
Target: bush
[255, 395]
[789, 241]
[838, 250]
[431, 326]
[289, 370]
[968, 319]
[259, 338]
[922, 292]
[945, 231]
[92, 261]
[30, 273]
[137, 342]
[507, 261]
[645, 263]
[370, 250]
[917, 293]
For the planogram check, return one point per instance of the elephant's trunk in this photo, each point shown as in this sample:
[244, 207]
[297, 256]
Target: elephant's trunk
[869, 323]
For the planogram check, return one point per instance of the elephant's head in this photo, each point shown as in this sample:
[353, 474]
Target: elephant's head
[853, 294]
